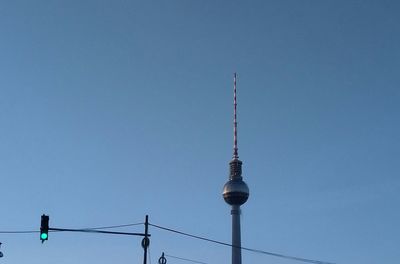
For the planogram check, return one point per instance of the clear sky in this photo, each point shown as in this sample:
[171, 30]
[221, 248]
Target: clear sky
[111, 110]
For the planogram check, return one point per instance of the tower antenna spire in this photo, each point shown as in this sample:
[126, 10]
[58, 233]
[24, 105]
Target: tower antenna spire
[235, 145]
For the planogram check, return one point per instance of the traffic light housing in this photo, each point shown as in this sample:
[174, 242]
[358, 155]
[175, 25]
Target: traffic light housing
[44, 228]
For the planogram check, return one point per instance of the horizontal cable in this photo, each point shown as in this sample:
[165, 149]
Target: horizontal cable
[97, 231]
[18, 232]
[87, 228]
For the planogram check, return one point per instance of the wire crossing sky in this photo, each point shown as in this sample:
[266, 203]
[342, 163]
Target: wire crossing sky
[96, 230]
[110, 111]
[244, 248]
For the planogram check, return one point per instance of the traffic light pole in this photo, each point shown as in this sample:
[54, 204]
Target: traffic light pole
[146, 240]
[44, 229]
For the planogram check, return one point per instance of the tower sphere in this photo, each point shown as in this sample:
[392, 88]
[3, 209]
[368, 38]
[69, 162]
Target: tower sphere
[235, 192]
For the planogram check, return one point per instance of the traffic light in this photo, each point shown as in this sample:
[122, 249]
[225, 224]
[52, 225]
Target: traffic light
[44, 228]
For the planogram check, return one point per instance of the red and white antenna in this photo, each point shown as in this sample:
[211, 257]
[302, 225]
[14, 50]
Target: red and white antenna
[235, 146]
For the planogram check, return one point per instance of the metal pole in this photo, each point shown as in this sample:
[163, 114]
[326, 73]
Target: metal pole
[146, 240]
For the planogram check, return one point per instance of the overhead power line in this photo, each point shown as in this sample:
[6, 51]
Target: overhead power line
[184, 234]
[244, 248]
[18, 232]
[111, 227]
[185, 259]
[86, 228]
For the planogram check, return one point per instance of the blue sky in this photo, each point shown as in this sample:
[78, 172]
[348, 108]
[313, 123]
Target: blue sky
[111, 110]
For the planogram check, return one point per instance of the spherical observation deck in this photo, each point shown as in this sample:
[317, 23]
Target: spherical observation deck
[236, 192]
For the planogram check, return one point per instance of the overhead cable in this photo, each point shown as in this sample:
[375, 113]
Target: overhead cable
[244, 248]
[18, 232]
[115, 226]
[87, 228]
[186, 259]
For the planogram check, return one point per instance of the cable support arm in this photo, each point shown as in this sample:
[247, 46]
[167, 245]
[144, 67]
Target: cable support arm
[97, 231]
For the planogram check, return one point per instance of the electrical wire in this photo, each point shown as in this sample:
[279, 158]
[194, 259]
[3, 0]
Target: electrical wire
[185, 259]
[18, 232]
[244, 248]
[111, 227]
[87, 228]
[189, 235]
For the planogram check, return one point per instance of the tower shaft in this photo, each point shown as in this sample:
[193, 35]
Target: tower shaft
[236, 235]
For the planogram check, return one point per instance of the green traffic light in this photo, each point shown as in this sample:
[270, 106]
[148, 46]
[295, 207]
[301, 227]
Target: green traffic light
[43, 236]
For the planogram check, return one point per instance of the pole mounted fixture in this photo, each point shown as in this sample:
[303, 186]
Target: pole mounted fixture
[44, 228]
[162, 259]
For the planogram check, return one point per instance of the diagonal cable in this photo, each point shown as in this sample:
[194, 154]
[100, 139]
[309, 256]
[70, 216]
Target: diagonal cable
[244, 248]
[185, 259]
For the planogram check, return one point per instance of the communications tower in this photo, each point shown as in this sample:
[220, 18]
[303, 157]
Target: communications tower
[236, 191]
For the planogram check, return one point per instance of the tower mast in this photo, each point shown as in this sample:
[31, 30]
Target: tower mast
[235, 146]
